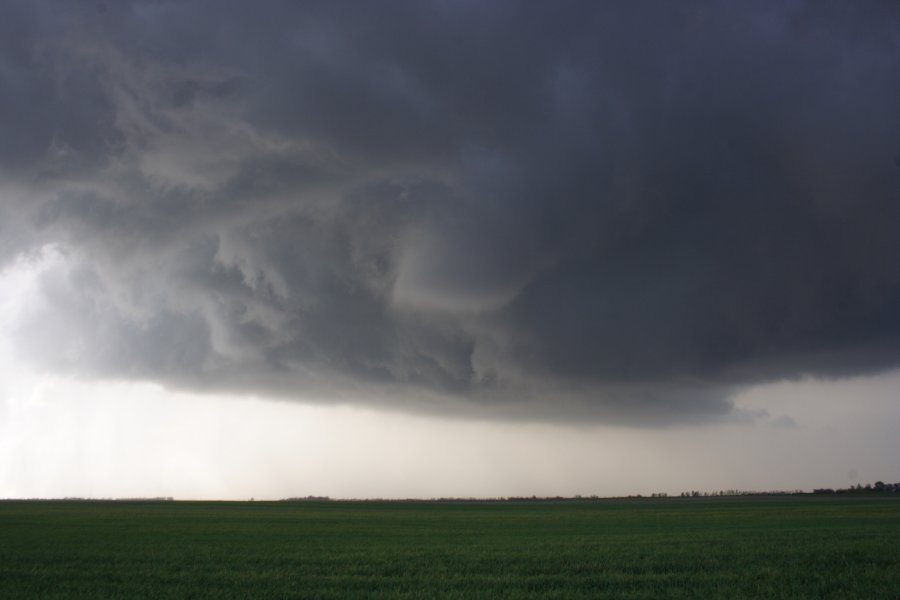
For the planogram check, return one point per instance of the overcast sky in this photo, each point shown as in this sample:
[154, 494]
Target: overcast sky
[447, 247]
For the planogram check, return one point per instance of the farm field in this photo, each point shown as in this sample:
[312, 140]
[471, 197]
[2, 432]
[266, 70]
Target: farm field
[740, 547]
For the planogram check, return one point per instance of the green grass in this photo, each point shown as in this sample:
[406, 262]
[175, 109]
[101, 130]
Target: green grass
[786, 547]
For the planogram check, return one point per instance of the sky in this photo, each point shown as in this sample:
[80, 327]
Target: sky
[447, 248]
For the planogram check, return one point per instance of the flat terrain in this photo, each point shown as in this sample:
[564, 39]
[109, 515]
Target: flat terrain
[787, 547]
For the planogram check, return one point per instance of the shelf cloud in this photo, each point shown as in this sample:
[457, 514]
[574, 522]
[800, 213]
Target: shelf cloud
[613, 211]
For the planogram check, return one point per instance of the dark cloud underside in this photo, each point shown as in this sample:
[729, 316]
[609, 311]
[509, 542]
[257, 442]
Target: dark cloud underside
[626, 210]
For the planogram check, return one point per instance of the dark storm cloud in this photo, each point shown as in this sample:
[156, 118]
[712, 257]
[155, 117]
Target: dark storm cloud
[622, 210]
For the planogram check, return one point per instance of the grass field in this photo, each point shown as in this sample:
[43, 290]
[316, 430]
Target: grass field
[787, 547]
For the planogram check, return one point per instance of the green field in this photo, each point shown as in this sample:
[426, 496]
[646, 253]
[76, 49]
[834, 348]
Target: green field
[789, 547]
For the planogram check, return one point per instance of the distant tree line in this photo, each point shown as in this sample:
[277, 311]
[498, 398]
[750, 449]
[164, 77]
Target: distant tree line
[92, 499]
[307, 499]
[696, 494]
[877, 487]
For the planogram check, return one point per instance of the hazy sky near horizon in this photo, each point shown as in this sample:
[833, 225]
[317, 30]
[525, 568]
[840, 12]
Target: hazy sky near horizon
[447, 248]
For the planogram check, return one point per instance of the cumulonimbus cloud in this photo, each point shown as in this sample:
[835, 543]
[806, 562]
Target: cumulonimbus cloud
[624, 210]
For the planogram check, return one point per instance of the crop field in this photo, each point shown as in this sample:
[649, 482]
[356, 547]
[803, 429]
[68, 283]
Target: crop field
[743, 547]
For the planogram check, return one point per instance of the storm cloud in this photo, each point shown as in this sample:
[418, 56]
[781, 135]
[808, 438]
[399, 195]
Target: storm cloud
[622, 211]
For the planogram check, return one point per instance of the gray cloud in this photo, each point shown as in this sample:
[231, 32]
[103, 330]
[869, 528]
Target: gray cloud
[620, 211]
